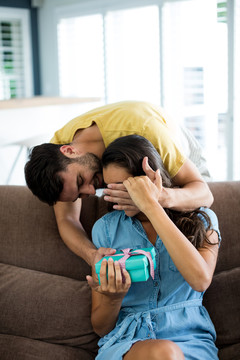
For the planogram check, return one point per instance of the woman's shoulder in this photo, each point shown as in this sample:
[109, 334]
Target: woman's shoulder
[105, 227]
[112, 217]
[212, 217]
[210, 213]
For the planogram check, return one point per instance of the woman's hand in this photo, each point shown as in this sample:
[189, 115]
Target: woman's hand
[143, 191]
[117, 193]
[112, 284]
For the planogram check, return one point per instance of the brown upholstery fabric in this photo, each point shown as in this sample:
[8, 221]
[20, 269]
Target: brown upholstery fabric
[222, 300]
[47, 307]
[227, 207]
[29, 229]
[230, 352]
[20, 348]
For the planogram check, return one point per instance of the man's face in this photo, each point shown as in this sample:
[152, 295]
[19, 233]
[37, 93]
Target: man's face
[81, 178]
[114, 174]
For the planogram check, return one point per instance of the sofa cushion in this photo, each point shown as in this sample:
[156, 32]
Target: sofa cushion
[223, 305]
[46, 307]
[229, 352]
[20, 348]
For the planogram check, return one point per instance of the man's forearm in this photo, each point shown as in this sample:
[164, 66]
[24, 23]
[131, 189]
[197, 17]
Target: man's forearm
[189, 197]
[76, 240]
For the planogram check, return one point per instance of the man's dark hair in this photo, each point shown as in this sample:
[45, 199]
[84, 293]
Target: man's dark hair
[42, 172]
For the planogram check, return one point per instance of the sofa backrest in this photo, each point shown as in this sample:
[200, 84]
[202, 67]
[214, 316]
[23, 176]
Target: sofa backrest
[227, 207]
[222, 299]
[30, 238]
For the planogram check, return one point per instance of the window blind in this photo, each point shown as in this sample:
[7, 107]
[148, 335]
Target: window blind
[236, 108]
[193, 85]
[15, 54]
[11, 60]
[222, 11]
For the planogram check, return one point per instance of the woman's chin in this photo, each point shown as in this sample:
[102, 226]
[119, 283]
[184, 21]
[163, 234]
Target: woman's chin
[131, 213]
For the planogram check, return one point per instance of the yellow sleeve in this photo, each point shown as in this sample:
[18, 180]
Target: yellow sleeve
[66, 133]
[160, 136]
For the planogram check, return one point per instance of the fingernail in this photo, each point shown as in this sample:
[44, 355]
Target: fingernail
[109, 186]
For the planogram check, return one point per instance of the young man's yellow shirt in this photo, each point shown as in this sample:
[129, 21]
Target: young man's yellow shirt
[127, 118]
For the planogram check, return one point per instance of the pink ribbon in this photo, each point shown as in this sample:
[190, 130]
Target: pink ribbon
[127, 253]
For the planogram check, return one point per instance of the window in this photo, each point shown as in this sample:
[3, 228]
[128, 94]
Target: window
[236, 91]
[81, 61]
[132, 54]
[193, 85]
[181, 54]
[110, 55]
[195, 68]
[15, 62]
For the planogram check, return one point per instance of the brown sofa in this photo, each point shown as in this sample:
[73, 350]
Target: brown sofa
[45, 300]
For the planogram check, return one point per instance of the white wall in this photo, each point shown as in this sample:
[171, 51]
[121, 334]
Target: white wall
[28, 127]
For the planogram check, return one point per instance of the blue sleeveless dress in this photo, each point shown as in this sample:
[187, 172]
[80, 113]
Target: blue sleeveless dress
[164, 308]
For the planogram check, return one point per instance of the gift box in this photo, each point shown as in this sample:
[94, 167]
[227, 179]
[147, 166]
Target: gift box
[140, 263]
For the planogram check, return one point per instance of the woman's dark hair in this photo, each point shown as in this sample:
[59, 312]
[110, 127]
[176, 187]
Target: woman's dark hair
[128, 152]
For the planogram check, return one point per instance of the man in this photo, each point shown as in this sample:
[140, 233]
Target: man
[69, 168]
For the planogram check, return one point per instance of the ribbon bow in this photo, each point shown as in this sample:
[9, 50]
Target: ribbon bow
[127, 253]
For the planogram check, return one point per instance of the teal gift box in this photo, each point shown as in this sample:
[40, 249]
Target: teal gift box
[138, 265]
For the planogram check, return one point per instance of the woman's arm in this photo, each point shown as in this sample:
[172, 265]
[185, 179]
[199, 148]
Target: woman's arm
[196, 266]
[107, 297]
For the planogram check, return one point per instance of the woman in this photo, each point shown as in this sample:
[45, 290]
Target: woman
[161, 318]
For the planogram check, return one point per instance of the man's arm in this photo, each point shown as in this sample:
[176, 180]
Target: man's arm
[71, 230]
[74, 236]
[193, 191]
